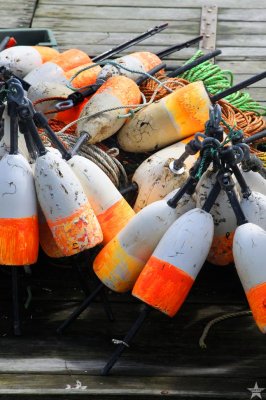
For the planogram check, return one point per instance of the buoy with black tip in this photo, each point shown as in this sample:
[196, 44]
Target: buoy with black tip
[249, 251]
[68, 213]
[119, 263]
[112, 210]
[19, 241]
[23, 59]
[171, 270]
[175, 117]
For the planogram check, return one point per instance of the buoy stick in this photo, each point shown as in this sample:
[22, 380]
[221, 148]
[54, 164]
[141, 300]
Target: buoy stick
[127, 339]
[178, 47]
[238, 86]
[257, 136]
[80, 309]
[194, 63]
[4, 43]
[130, 43]
[15, 297]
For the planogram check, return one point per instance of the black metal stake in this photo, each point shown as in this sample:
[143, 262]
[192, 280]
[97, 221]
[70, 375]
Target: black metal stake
[15, 298]
[127, 339]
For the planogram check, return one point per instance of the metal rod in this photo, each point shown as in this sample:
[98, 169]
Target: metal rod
[238, 86]
[127, 339]
[152, 71]
[15, 297]
[130, 43]
[12, 107]
[178, 47]
[106, 304]
[212, 197]
[257, 136]
[194, 63]
[85, 304]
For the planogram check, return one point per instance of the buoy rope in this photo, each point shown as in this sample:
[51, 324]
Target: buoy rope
[202, 340]
[118, 67]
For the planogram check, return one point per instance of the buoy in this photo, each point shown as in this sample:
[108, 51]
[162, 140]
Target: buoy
[54, 69]
[224, 220]
[254, 208]
[120, 262]
[112, 210]
[67, 211]
[84, 78]
[22, 59]
[170, 272]
[175, 117]
[47, 90]
[140, 61]
[118, 91]
[19, 239]
[249, 255]
[155, 178]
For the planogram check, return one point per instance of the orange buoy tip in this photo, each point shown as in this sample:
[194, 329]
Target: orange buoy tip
[115, 218]
[19, 241]
[122, 87]
[46, 53]
[257, 300]
[163, 286]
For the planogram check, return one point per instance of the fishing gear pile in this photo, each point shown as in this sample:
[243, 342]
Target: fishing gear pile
[71, 126]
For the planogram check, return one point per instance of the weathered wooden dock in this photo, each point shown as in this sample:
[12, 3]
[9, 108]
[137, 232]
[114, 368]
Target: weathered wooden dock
[165, 359]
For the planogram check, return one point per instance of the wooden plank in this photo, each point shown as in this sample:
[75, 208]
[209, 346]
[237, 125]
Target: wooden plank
[112, 25]
[128, 13]
[140, 387]
[16, 14]
[245, 4]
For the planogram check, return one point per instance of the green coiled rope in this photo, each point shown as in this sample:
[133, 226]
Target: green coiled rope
[217, 80]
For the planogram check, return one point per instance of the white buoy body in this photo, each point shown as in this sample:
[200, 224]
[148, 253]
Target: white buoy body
[249, 250]
[154, 177]
[67, 211]
[112, 210]
[254, 208]
[224, 220]
[47, 72]
[120, 262]
[20, 59]
[170, 272]
[19, 241]
[255, 181]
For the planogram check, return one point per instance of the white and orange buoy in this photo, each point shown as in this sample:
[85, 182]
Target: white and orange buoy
[55, 68]
[66, 208]
[112, 210]
[170, 272]
[19, 239]
[254, 208]
[142, 61]
[118, 91]
[249, 255]
[155, 177]
[23, 59]
[47, 241]
[120, 262]
[176, 116]
[84, 78]
[224, 220]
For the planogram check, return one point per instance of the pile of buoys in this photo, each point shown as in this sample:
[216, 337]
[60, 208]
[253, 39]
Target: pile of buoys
[190, 196]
